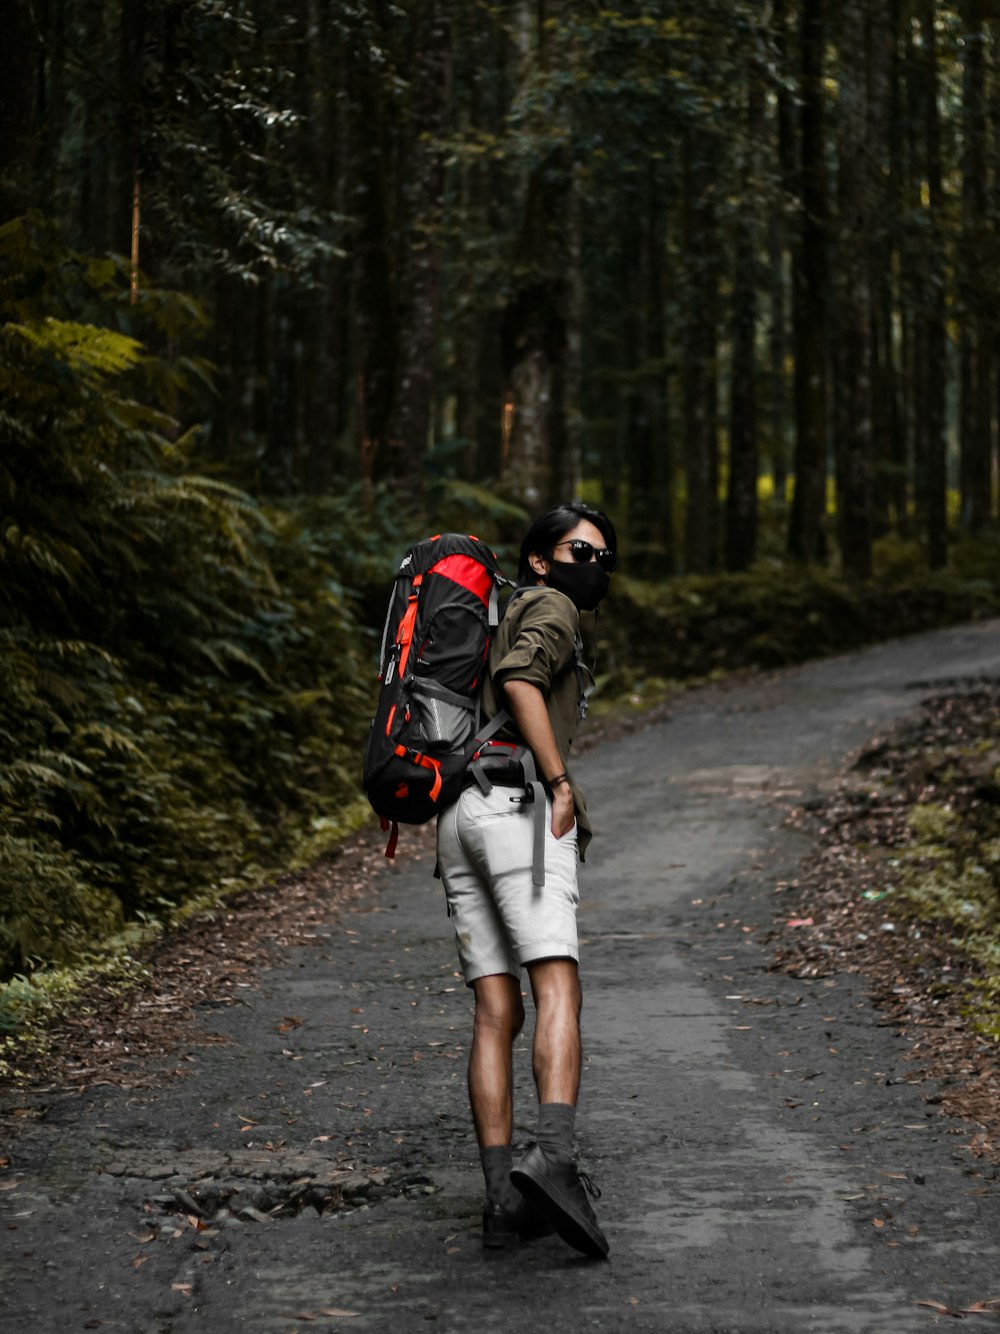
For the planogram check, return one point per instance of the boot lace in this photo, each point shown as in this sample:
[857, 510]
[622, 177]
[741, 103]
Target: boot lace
[588, 1185]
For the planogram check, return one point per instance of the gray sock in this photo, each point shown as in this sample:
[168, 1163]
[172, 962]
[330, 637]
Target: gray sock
[555, 1129]
[497, 1160]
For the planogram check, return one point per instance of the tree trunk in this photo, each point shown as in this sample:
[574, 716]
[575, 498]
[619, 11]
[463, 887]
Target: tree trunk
[741, 494]
[701, 262]
[806, 538]
[422, 192]
[650, 502]
[374, 332]
[976, 351]
[777, 245]
[567, 462]
[936, 377]
[883, 34]
[854, 452]
[892, 455]
[325, 63]
[534, 319]
[19, 58]
[528, 463]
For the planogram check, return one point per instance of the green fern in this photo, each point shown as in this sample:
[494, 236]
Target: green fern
[183, 682]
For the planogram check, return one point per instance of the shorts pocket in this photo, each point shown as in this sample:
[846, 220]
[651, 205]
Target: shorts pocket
[570, 836]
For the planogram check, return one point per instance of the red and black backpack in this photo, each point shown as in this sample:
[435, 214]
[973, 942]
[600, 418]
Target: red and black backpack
[442, 614]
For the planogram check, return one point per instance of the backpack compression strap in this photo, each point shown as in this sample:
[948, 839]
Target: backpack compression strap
[391, 828]
[534, 793]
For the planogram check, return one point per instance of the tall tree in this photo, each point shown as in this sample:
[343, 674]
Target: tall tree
[534, 319]
[976, 341]
[650, 460]
[375, 326]
[854, 309]
[783, 139]
[702, 263]
[648, 428]
[934, 378]
[18, 83]
[806, 538]
[422, 192]
[891, 329]
[741, 492]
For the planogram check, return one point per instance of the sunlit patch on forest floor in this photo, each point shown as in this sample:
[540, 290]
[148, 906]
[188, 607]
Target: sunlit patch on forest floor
[905, 888]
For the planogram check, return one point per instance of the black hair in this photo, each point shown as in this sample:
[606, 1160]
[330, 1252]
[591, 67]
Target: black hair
[548, 528]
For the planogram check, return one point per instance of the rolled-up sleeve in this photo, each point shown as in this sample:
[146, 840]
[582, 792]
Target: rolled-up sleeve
[543, 645]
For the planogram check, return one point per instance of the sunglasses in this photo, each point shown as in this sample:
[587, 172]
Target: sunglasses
[584, 552]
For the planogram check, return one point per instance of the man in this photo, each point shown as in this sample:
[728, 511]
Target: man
[503, 921]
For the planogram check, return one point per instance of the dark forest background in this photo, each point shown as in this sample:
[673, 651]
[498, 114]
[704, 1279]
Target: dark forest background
[283, 285]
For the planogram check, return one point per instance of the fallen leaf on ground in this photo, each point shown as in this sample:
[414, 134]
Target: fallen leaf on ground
[800, 921]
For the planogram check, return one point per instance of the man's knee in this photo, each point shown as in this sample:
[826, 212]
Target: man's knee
[499, 1007]
[556, 982]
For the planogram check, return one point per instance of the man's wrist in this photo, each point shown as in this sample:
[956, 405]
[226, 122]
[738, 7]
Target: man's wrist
[559, 779]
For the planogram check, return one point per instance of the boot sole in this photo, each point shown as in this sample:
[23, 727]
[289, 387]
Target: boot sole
[566, 1218]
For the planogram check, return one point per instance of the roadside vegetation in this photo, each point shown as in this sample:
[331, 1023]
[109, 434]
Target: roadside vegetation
[944, 879]
[904, 887]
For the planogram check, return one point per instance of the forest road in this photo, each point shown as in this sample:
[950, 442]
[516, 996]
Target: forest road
[765, 1163]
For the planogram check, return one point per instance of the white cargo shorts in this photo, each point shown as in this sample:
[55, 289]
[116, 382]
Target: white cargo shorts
[503, 921]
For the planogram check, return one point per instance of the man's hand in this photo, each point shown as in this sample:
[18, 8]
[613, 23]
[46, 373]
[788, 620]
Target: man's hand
[527, 705]
[563, 810]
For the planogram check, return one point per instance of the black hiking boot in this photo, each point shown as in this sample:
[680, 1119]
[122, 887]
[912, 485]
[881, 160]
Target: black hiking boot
[561, 1191]
[504, 1227]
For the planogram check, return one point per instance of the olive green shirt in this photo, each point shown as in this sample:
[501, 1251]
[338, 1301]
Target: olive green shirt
[536, 642]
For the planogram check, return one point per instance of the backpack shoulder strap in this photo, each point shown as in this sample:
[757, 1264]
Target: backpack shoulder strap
[585, 679]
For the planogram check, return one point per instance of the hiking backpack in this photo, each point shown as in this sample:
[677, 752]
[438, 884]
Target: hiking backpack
[435, 649]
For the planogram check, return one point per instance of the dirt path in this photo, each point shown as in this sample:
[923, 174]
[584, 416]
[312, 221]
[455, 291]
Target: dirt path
[765, 1163]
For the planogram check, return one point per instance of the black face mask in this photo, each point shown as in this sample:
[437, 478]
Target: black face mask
[585, 585]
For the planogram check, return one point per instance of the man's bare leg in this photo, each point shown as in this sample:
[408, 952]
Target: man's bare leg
[547, 1175]
[555, 1060]
[499, 1018]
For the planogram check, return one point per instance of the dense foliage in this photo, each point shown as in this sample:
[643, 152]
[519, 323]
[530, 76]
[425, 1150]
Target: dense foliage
[663, 247]
[183, 676]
